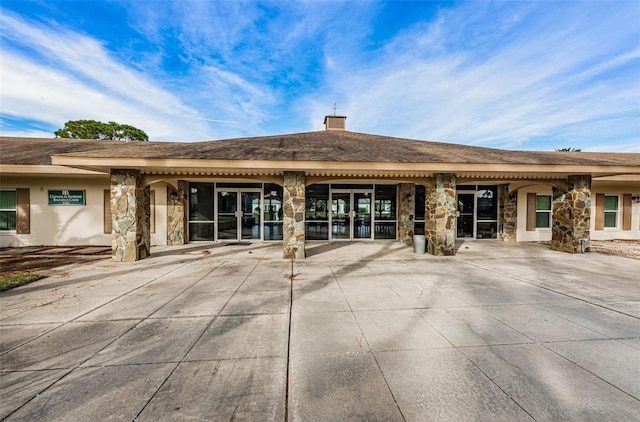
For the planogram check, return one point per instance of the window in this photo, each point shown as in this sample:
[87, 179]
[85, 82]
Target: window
[316, 209]
[385, 212]
[8, 210]
[272, 213]
[543, 211]
[611, 211]
[487, 212]
[419, 210]
[201, 211]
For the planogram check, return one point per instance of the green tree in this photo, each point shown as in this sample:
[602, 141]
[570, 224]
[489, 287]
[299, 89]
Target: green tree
[91, 129]
[569, 149]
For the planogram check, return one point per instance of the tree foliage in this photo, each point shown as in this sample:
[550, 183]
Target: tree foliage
[91, 129]
[568, 149]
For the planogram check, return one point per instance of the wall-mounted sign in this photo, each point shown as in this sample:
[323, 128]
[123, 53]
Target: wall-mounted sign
[67, 197]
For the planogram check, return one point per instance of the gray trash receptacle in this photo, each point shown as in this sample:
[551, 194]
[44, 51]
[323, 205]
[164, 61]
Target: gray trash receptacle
[419, 243]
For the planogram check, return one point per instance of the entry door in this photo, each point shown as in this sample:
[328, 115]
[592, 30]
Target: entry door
[239, 215]
[351, 215]
[465, 223]
[251, 218]
[362, 215]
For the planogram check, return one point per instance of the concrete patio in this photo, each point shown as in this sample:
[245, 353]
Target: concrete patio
[358, 331]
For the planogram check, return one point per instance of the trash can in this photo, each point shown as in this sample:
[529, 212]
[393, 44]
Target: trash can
[419, 243]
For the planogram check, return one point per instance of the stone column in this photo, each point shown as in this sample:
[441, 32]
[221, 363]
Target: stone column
[176, 218]
[507, 214]
[406, 212]
[293, 216]
[571, 215]
[440, 216]
[130, 213]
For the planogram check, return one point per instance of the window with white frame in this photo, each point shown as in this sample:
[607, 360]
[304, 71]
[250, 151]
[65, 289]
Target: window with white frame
[611, 211]
[543, 211]
[8, 210]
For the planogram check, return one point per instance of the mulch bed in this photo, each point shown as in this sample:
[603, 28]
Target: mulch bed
[40, 260]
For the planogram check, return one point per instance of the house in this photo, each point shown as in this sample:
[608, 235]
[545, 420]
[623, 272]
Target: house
[330, 185]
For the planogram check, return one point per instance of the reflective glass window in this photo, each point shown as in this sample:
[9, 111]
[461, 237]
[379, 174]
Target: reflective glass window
[385, 207]
[8, 201]
[487, 205]
[420, 202]
[273, 211]
[200, 201]
[611, 211]
[543, 211]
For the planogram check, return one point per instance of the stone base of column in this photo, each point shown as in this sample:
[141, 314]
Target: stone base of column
[507, 214]
[293, 215]
[571, 216]
[130, 210]
[176, 220]
[442, 243]
[441, 215]
[406, 212]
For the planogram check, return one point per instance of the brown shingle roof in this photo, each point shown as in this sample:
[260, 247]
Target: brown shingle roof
[38, 151]
[338, 146]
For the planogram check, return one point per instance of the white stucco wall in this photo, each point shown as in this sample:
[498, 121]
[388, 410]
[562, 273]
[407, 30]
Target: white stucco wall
[73, 225]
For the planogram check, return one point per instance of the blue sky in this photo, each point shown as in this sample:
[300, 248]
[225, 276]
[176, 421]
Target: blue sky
[517, 75]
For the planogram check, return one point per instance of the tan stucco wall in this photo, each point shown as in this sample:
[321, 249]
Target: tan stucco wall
[597, 187]
[73, 225]
[522, 234]
[61, 225]
[160, 236]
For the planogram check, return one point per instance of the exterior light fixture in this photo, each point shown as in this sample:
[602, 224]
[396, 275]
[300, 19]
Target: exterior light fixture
[636, 198]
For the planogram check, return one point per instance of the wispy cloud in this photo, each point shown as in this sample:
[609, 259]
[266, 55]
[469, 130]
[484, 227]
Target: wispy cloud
[550, 78]
[75, 77]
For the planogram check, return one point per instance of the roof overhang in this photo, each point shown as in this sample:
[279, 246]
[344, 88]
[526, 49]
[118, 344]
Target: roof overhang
[204, 167]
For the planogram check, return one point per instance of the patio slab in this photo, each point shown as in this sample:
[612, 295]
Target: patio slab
[358, 331]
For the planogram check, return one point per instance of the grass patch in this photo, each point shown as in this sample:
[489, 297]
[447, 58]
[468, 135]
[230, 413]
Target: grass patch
[9, 281]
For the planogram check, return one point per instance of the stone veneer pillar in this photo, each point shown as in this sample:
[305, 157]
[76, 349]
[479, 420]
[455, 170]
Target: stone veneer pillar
[130, 213]
[406, 212]
[176, 219]
[507, 214]
[293, 216]
[440, 215]
[571, 215]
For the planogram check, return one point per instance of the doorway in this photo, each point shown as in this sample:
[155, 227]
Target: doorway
[477, 213]
[465, 215]
[351, 215]
[239, 214]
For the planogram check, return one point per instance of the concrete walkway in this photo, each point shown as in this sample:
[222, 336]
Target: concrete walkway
[358, 331]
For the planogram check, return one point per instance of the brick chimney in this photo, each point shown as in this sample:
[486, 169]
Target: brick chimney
[335, 122]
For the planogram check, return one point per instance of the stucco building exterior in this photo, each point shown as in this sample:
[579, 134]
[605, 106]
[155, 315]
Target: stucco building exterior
[330, 185]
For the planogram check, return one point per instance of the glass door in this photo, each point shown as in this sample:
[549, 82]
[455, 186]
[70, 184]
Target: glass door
[227, 215]
[341, 216]
[239, 215]
[251, 215]
[362, 215]
[465, 214]
[351, 215]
